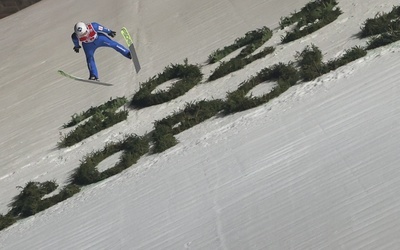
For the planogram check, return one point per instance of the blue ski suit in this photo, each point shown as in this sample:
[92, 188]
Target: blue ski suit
[97, 37]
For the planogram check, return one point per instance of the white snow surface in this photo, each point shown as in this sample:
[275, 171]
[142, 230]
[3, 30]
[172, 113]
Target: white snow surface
[316, 168]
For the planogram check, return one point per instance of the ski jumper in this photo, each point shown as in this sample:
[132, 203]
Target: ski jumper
[97, 37]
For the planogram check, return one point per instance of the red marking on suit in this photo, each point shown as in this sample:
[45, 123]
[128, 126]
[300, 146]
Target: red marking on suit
[91, 35]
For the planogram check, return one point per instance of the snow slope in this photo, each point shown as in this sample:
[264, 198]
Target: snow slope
[315, 168]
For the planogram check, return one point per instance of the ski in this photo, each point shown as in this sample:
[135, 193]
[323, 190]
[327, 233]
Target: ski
[82, 79]
[129, 42]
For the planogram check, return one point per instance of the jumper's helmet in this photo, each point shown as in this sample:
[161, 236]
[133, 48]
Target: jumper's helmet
[80, 28]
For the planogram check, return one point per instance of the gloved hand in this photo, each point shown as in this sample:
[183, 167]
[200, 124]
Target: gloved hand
[76, 49]
[112, 33]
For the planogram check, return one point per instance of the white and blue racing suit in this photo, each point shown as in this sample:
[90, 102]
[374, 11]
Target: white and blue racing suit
[97, 37]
